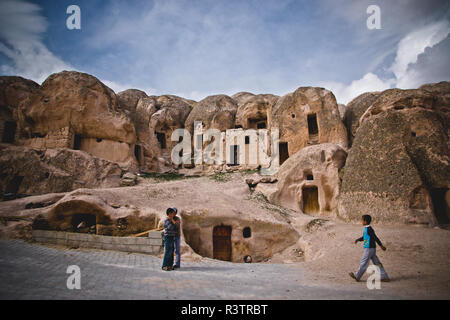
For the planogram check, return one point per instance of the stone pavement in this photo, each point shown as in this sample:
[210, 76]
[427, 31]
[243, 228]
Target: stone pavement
[32, 271]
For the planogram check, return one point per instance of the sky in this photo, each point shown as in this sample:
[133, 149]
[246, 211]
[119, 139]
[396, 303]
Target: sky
[197, 48]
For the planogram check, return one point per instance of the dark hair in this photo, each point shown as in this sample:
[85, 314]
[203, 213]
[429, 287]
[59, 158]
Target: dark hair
[367, 218]
[169, 211]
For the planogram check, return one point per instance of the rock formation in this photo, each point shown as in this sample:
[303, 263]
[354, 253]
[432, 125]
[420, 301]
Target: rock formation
[398, 169]
[354, 110]
[308, 181]
[305, 117]
[75, 110]
[31, 171]
[13, 90]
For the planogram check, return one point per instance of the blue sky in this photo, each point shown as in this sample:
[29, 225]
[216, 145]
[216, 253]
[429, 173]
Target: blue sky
[196, 48]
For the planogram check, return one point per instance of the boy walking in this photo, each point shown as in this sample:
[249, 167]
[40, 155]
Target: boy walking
[370, 240]
[169, 239]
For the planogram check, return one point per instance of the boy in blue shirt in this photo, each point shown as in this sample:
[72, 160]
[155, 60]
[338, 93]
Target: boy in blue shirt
[370, 240]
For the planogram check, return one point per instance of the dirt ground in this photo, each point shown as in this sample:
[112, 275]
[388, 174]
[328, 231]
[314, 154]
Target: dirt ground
[417, 258]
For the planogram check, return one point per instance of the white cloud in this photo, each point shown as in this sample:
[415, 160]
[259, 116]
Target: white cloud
[413, 45]
[21, 30]
[370, 82]
[408, 74]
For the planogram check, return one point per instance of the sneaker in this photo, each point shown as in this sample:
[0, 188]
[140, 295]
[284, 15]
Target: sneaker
[351, 274]
[176, 267]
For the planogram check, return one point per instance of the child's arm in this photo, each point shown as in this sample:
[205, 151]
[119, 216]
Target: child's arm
[371, 233]
[359, 239]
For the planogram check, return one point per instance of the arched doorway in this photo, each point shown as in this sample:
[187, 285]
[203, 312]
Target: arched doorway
[222, 243]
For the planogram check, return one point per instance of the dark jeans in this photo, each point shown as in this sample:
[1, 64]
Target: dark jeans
[169, 243]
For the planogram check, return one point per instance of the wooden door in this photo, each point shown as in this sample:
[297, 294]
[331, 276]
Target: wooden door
[222, 243]
[310, 200]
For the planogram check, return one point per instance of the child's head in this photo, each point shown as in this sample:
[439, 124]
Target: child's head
[170, 212]
[366, 219]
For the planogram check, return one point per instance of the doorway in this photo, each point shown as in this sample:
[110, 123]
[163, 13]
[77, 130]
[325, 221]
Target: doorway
[310, 196]
[222, 243]
[441, 209]
[77, 142]
[283, 152]
[9, 132]
[234, 155]
[161, 139]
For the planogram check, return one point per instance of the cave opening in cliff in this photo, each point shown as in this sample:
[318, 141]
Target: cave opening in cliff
[440, 205]
[257, 123]
[310, 197]
[283, 152]
[77, 142]
[9, 132]
[222, 243]
[14, 185]
[313, 128]
[161, 136]
[84, 223]
[137, 153]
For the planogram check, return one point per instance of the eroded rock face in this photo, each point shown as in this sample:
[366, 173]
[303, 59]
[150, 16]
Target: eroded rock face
[243, 236]
[13, 90]
[242, 97]
[355, 109]
[215, 112]
[128, 99]
[31, 171]
[398, 167]
[254, 113]
[309, 180]
[308, 116]
[81, 109]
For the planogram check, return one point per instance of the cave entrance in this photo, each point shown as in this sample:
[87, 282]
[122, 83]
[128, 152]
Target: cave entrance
[283, 152]
[137, 153]
[313, 128]
[259, 123]
[222, 243]
[14, 185]
[310, 196]
[441, 207]
[161, 139]
[9, 132]
[77, 142]
[84, 223]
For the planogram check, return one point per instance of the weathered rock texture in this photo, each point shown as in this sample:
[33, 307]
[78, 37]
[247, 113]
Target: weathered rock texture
[82, 110]
[215, 112]
[32, 171]
[309, 180]
[254, 113]
[354, 110]
[13, 90]
[398, 169]
[308, 116]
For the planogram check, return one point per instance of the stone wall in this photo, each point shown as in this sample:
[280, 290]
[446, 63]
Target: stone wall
[60, 138]
[151, 245]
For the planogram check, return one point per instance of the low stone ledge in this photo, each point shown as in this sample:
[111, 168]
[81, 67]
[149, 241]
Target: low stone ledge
[150, 245]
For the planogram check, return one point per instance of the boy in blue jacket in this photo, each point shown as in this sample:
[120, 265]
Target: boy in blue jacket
[370, 240]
